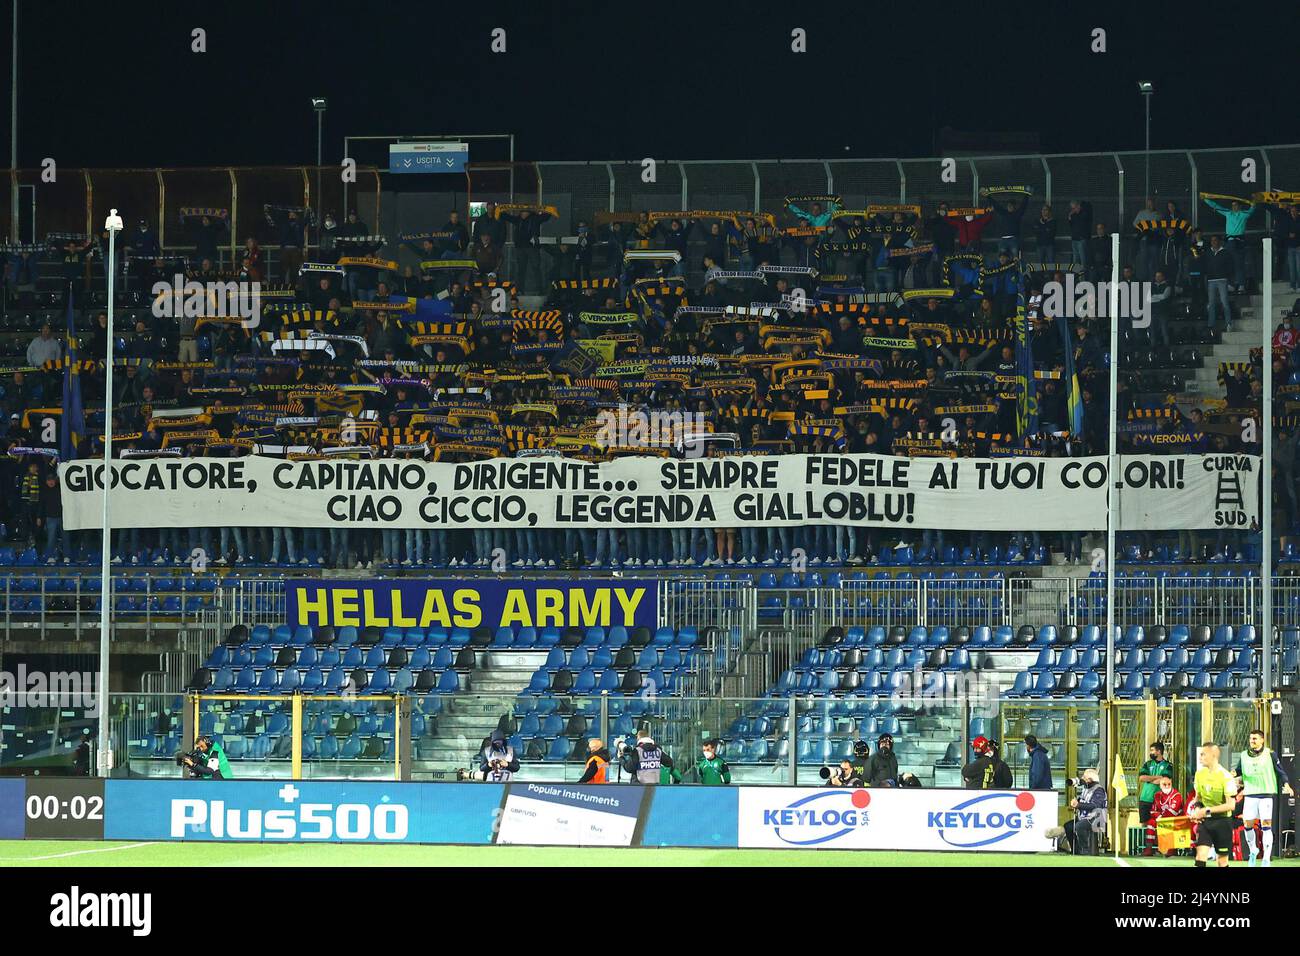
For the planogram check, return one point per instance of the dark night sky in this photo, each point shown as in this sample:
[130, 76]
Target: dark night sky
[596, 81]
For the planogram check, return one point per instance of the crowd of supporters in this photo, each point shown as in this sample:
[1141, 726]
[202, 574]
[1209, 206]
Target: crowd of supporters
[900, 329]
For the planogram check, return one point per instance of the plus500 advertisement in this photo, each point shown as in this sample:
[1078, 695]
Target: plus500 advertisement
[301, 812]
[887, 819]
[389, 812]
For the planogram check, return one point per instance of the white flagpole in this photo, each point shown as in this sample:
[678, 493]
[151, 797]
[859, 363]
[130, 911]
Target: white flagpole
[113, 225]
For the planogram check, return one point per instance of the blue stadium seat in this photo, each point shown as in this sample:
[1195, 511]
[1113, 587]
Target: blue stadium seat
[555, 660]
[1020, 686]
[560, 749]
[1132, 687]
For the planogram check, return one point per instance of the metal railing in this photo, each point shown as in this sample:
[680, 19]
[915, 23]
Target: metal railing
[145, 605]
[79, 199]
[48, 606]
[1112, 181]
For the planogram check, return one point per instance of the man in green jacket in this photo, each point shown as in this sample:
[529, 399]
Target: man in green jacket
[711, 768]
[216, 766]
[1149, 776]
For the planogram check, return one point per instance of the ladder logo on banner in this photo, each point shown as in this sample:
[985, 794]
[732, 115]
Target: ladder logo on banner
[1228, 493]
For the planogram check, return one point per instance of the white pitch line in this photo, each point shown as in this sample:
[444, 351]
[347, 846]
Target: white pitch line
[1120, 861]
[58, 856]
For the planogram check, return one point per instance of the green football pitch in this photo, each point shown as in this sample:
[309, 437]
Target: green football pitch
[65, 853]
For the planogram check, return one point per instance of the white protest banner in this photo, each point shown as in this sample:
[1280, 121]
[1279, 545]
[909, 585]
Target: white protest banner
[974, 494]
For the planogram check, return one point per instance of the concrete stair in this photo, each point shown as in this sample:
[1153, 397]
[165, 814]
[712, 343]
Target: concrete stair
[467, 718]
[1247, 333]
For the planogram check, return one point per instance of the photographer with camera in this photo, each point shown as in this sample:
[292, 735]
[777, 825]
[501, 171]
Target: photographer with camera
[1089, 804]
[646, 761]
[882, 768]
[497, 761]
[845, 775]
[206, 760]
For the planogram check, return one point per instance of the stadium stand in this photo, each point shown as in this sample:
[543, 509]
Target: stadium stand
[820, 329]
[810, 328]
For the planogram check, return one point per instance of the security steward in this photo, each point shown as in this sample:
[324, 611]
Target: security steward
[597, 762]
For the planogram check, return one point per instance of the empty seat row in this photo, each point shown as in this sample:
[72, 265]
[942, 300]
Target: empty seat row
[331, 681]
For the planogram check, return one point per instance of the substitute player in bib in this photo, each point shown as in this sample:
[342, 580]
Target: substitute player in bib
[1260, 772]
[1216, 791]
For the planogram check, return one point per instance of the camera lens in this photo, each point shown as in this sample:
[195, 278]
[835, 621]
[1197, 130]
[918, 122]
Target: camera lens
[825, 773]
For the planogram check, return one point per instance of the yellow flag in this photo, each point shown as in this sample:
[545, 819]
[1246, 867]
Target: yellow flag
[1118, 781]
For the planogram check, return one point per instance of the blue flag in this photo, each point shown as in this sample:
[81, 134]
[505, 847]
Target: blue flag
[73, 426]
[1073, 394]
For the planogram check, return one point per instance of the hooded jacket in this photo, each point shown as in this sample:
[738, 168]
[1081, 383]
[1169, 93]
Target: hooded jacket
[1040, 769]
[882, 768]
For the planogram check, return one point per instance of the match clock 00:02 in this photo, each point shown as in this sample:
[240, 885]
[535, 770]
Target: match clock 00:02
[63, 809]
